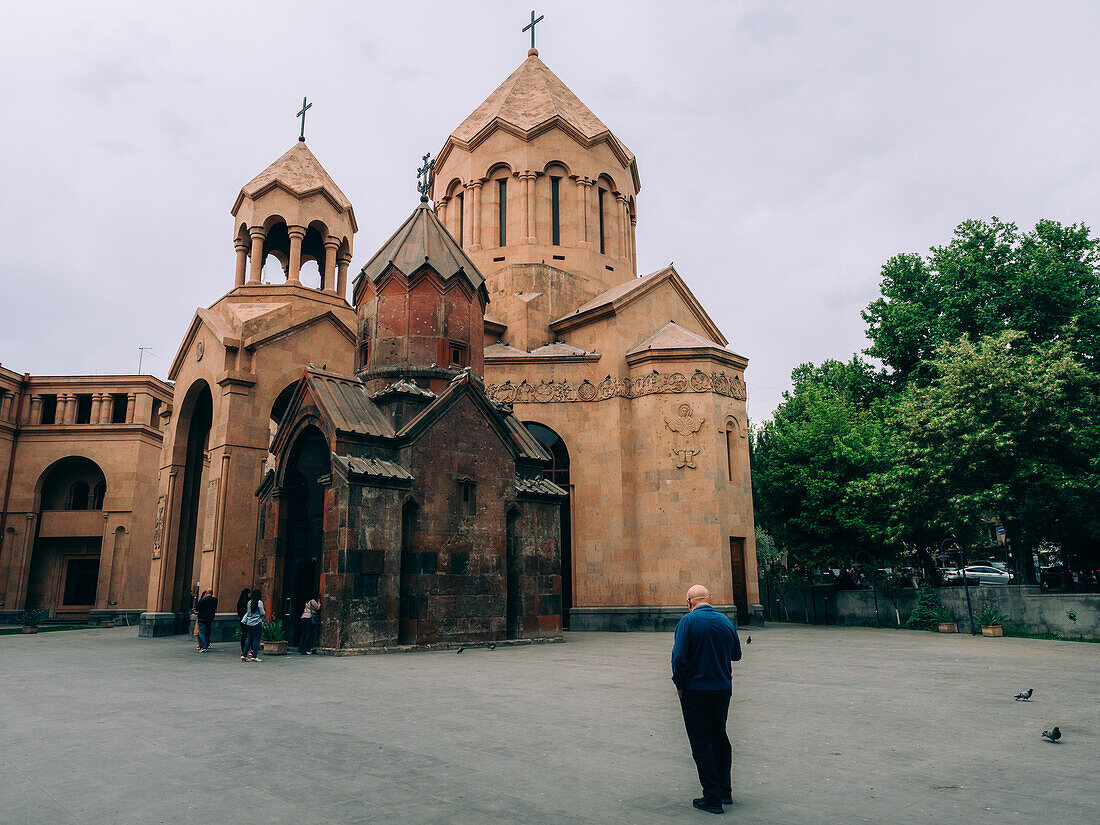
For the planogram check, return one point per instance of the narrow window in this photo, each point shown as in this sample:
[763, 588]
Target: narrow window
[83, 408]
[603, 246]
[98, 496]
[729, 453]
[459, 355]
[469, 496]
[502, 185]
[364, 354]
[118, 408]
[154, 415]
[49, 409]
[78, 496]
[461, 215]
[555, 219]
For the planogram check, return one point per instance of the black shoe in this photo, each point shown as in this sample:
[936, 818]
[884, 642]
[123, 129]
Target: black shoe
[703, 805]
[727, 799]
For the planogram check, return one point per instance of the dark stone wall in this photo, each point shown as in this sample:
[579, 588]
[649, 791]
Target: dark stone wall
[535, 570]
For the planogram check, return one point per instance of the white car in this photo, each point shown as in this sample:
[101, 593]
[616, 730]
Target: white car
[984, 574]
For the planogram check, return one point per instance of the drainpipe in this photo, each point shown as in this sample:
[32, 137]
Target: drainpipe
[14, 443]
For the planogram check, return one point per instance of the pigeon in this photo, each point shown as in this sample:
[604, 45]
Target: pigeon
[748, 640]
[1053, 734]
[460, 650]
[1025, 696]
[492, 646]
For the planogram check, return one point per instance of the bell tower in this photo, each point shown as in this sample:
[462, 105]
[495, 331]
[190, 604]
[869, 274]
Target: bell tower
[295, 212]
[540, 195]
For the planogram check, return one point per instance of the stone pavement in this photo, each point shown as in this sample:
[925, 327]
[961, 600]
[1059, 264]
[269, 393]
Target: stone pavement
[830, 725]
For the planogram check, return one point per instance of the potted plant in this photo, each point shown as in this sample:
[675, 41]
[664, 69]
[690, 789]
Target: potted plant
[30, 619]
[273, 638]
[946, 621]
[992, 621]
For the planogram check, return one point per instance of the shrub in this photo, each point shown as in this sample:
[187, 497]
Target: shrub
[273, 631]
[945, 615]
[989, 616]
[32, 618]
[923, 616]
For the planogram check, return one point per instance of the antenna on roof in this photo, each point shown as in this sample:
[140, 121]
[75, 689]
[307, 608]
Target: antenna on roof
[141, 355]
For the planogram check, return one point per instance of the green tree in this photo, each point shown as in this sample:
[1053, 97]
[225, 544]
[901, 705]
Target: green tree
[1005, 430]
[989, 278]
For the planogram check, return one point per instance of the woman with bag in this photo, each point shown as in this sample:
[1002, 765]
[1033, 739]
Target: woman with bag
[311, 617]
[254, 621]
[242, 608]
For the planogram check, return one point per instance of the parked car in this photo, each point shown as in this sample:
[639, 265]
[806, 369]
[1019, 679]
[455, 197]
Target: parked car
[981, 574]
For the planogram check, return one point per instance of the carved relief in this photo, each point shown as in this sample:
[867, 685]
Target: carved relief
[158, 528]
[686, 444]
[547, 392]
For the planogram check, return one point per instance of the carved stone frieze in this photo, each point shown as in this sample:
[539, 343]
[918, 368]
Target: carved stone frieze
[546, 392]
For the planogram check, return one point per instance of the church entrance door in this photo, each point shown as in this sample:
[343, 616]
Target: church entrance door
[300, 574]
[740, 590]
[558, 472]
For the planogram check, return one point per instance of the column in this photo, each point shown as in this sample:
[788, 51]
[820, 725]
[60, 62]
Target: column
[258, 234]
[241, 245]
[297, 235]
[163, 602]
[131, 402]
[634, 243]
[342, 262]
[107, 411]
[219, 525]
[624, 228]
[583, 187]
[36, 409]
[441, 210]
[70, 408]
[529, 206]
[474, 243]
[328, 274]
[97, 406]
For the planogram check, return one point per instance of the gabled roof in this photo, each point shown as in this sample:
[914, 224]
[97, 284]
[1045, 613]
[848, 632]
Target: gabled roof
[557, 350]
[674, 339]
[529, 102]
[344, 401]
[619, 296]
[422, 240]
[298, 172]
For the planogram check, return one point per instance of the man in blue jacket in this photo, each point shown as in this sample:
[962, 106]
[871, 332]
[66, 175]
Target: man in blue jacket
[706, 644]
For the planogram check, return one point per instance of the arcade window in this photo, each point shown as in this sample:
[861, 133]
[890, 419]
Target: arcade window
[603, 239]
[459, 355]
[502, 218]
[555, 214]
[84, 408]
[461, 198]
[49, 409]
[154, 416]
[118, 408]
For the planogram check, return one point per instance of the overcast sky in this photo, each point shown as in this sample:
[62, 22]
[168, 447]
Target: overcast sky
[786, 150]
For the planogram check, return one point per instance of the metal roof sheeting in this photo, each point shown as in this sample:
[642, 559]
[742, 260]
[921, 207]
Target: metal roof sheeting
[372, 468]
[348, 405]
[538, 486]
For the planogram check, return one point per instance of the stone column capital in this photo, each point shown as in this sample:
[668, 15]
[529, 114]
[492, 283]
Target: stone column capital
[473, 184]
[241, 245]
[257, 232]
[332, 242]
[295, 231]
[527, 174]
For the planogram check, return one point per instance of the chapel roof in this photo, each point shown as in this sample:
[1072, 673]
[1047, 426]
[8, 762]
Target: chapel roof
[673, 336]
[299, 172]
[347, 404]
[421, 240]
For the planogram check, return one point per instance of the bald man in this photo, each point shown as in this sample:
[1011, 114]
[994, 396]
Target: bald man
[706, 645]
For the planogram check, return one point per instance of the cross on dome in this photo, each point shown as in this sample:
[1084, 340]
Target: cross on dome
[302, 115]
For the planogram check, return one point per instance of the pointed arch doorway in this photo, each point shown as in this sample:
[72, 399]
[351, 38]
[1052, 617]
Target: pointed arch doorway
[558, 472]
[308, 467]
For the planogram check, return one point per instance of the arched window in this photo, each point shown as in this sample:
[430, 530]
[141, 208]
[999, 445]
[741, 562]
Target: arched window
[78, 496]
[98, 496]
[558, 472]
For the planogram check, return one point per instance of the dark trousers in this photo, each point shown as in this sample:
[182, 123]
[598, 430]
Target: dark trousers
[204, 632]
[244, 637]
[252, 649]
[705, 714]
[305, 635]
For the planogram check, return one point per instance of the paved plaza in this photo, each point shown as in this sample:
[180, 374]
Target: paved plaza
[829, 725]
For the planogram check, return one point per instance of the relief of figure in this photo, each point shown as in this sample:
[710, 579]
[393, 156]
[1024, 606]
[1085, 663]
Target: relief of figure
[686, 427]
[158, 528]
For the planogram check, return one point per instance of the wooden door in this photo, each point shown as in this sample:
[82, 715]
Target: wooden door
[737, 569]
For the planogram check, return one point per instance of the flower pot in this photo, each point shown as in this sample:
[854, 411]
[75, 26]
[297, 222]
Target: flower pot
[993, 630]
[274, 648]
[30, 628]
[949, 627]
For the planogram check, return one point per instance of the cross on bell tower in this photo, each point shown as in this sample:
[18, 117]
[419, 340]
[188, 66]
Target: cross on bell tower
[302, 115]
[531, 26]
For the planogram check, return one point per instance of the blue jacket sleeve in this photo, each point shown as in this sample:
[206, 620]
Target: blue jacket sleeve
[680, 655]
[736, 657]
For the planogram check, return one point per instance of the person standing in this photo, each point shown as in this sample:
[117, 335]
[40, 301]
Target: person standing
[705, 646]
[311, 616]
[204, 618]
[242, 608]
[254, 621]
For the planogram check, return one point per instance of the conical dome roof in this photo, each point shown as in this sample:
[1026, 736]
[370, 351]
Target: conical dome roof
[421, 240]
[299, 172]
[531, 100]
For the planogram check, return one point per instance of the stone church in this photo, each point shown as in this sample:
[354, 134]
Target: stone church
[505, 431]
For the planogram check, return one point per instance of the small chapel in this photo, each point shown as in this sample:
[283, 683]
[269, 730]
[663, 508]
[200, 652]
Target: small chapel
[498, 430]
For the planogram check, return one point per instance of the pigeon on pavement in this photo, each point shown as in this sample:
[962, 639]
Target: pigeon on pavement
[1025, 696]
[460, 650]
[748, 640]
[1053, 735]
[492, 646]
